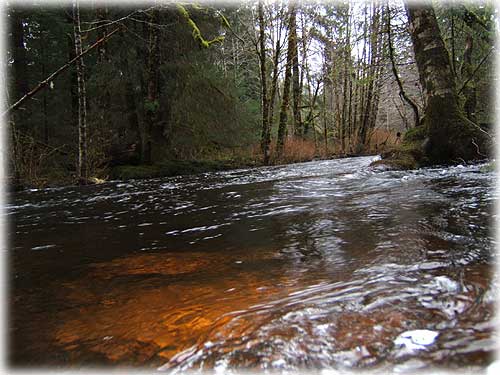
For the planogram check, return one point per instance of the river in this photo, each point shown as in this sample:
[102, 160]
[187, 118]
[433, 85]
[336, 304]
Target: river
[320, 265]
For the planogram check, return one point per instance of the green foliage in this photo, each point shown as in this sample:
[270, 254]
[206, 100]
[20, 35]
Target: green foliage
[46, 50]
[457, 22]
[415, 134]
[200, 112]
[151, 106]
[206, 115]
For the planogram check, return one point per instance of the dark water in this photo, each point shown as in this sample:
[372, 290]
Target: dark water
[321, 265]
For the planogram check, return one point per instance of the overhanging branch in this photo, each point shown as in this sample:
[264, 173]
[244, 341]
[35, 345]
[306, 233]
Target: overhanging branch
[51, 77]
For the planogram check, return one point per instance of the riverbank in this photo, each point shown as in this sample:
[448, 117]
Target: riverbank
[392, 159]
[175, 168]
[58, 170]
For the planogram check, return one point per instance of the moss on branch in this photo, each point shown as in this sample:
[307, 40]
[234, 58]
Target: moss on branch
[196, 30]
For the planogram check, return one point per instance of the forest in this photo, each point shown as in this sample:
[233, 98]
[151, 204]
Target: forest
[99, 92]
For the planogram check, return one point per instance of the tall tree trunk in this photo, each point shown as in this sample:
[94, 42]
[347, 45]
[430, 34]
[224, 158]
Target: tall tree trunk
[266, 133]
[346, 78]
[305, 75]
[82, 166]
[274, 81]
[355, 116]
[286, 88]
[449, 136]
[350, 127]
[103, 98]
[325, 127]
[374, 104]
[312, 103]
[453, 57]
[362, 78]
[292, 43]
[469, 89]
[372, 77]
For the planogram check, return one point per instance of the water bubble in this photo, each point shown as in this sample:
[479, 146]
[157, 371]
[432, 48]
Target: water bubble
[417, 339]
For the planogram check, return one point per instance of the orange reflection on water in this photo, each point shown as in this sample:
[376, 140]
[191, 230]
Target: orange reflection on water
[148, 307]
[152, 309]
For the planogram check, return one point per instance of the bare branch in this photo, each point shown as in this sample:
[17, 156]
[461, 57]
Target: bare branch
[51, 77]
[475, 70]
[113, 22]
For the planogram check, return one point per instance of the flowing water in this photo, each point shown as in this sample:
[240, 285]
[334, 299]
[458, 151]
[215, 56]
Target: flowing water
[320, 265]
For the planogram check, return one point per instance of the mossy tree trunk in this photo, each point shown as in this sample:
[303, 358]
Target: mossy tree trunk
[469, 89]
[447, 136]
[280, 142]
[345, 122]
[266, 132]
[370, 104]
[275, 76]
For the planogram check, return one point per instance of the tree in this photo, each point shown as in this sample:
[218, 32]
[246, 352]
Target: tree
[447, 134]
[82, 166]
[266, 131]
[296, 86]
[469, 89]
[468, 34]
[370, 102]
[402, 93]
[279, 20]
[280, 142]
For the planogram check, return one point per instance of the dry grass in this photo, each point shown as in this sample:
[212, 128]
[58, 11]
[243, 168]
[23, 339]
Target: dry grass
[298, 150]
[382, 140]
[295, 150]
